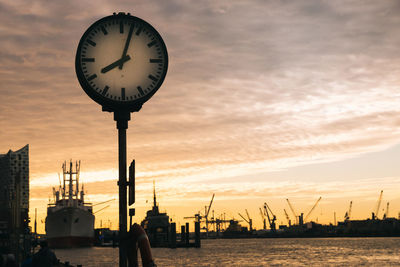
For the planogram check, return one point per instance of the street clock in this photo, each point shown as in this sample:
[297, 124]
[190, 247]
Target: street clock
[121, 61]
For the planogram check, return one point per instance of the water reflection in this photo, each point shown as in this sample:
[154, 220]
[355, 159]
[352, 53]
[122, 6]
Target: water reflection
[258, 252]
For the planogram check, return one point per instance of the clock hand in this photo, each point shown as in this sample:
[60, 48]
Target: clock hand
[115, 64]
[128, 40]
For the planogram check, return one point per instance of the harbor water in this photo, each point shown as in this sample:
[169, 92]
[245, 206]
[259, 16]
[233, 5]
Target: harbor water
[383, 251]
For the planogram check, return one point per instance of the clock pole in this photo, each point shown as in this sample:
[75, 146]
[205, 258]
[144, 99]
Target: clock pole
[122, 118]
[126, 95]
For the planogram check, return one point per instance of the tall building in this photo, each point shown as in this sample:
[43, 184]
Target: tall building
[14, 194]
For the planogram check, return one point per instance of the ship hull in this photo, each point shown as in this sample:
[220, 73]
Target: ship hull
[69, 227]
[70, 242]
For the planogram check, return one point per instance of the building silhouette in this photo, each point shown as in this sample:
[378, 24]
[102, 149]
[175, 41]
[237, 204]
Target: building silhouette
[14, 197]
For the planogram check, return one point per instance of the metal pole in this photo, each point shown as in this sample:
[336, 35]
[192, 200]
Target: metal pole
[122, 119]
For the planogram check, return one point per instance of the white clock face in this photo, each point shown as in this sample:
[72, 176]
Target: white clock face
[122, 59]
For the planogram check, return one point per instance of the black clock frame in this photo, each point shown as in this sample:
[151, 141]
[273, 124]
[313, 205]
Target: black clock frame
[106, 103]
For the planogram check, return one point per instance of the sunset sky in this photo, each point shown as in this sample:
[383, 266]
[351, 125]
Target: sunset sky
[263, 101]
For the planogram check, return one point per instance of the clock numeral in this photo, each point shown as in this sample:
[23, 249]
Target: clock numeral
[121, 27]
[151, 43]
[91, 42]
[140, 90]
[155, 60]
[104, 30]
[123, 93]
[104, 92]
[139, 30]
[91, 77]
[87, 59]
[151, 77]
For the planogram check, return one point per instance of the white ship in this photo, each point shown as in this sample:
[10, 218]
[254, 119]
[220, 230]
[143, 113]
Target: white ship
[69, 221]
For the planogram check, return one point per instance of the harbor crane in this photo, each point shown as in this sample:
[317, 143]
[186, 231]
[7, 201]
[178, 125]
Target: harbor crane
[207, 211]
[294, 213]
[386, 215]
[218, 222]
[199, 217]
[271, 219]
[312, 209]
[248, 220]
[263, 220]
[287, 217]
[378, 206]
[348, 213]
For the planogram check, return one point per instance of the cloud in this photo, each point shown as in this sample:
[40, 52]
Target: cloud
[252, 87]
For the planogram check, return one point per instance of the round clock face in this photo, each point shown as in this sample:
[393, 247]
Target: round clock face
[121, 61]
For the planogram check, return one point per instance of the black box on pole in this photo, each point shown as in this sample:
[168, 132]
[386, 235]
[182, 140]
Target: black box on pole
[132, 183]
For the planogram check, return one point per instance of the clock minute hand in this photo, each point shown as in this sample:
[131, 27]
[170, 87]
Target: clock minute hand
[128, 40]
[115, 64]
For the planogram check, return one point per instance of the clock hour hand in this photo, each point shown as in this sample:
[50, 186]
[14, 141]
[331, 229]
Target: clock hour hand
[115, 64]
[128, 40]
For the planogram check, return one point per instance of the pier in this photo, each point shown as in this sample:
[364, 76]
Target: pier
[184, 241]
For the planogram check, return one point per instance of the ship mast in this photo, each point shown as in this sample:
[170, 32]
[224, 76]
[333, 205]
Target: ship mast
[71, 180]
[155, 208]
[77, 168]
[70, 194]
[154, 193]
[64, 171]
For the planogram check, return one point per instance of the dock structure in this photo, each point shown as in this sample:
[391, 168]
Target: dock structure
[172, 242]
[184, 241]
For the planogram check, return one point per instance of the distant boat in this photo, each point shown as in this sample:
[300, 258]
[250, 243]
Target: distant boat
[69, 221]
[156, 224]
